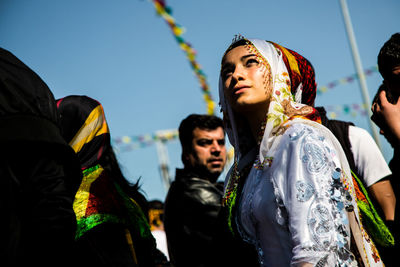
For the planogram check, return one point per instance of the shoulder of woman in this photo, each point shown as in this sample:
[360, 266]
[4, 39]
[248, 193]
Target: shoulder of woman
[299, 136]
[299, 130]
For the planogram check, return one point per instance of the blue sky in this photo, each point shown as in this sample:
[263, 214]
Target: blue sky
[124, 55]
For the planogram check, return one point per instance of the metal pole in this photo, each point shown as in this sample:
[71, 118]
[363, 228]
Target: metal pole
[163, 160]
[358, 65]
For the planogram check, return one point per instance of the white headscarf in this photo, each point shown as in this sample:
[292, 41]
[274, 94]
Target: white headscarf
[283, 104]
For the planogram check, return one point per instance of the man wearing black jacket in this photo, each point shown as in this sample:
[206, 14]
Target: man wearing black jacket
[194, 198]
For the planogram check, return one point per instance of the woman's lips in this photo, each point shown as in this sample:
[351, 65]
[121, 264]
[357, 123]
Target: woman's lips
[240, 89]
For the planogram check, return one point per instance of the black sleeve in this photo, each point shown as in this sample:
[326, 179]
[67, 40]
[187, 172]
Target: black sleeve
[42, 196]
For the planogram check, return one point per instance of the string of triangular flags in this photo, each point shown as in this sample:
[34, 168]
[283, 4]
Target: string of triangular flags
[354, 110]
[128, 143]
[349, 79]
[166, 13]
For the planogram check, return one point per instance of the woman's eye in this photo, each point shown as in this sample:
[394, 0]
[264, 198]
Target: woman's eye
[226, 73]
[252, 61]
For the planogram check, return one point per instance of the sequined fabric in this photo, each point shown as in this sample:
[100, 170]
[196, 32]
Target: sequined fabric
[301, 192]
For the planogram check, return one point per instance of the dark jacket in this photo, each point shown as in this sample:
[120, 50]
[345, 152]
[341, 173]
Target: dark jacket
[39, 171]
[191, 211]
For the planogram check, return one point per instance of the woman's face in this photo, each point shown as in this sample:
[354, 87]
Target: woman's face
[245, 80]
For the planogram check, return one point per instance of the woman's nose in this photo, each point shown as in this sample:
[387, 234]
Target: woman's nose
[238, 74]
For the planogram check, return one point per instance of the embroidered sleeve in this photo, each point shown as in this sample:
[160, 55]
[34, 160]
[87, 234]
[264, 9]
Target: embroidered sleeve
[312, 198]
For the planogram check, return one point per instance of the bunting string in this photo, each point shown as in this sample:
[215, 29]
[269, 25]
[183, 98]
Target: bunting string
[127, 143]
[354, 110]
[349, 79]
[166, 13]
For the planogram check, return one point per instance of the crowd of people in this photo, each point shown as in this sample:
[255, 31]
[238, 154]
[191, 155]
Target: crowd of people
[303, 190]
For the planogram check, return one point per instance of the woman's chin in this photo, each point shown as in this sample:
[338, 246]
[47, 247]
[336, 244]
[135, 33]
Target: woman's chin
[246, 105]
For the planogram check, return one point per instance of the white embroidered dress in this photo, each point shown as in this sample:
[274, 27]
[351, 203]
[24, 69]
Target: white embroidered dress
[304, 220]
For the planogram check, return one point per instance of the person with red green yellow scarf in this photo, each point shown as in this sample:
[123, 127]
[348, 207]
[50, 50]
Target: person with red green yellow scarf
[112, 228]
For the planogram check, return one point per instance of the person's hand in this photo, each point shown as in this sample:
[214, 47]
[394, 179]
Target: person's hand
[389, 113]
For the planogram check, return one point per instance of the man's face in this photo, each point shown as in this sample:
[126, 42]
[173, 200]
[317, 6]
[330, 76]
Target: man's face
[208, 151]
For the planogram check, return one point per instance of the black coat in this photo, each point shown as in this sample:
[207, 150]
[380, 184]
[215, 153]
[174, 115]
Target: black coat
[39, 172]
[191, 211]
[196, 226]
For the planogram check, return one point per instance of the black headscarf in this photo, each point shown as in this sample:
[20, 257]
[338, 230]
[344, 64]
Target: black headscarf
[84, 127]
